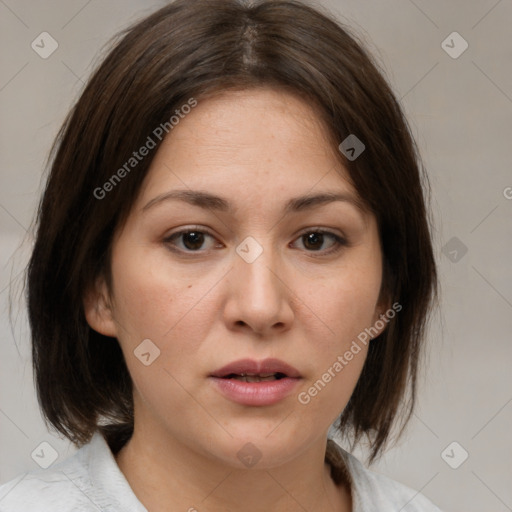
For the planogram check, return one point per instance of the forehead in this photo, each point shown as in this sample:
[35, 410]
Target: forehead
[253, 143]
[251, 119]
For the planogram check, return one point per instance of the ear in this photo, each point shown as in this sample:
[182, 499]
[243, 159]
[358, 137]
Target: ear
[98, 309]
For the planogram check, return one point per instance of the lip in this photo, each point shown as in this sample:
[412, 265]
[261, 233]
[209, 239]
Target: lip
[256, 393]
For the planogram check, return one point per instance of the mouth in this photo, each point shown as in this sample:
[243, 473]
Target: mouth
[250, 370]
[248, 377]
[252, 383]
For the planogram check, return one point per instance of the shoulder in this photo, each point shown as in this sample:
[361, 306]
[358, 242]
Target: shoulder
[87, 481]
[375, 492]
[56, 488]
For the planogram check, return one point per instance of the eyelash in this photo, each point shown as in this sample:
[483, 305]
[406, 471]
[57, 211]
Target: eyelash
[339, 242]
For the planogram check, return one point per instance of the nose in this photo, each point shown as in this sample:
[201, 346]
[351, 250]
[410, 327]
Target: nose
[259, 298]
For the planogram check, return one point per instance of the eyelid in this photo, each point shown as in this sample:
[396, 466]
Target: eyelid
[323, 230]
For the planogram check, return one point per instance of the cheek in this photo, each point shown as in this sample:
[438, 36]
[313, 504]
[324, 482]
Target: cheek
[154, 300]
[344, 307]
[345, 304]
[326, 395]
[335, 354]
[174, 312]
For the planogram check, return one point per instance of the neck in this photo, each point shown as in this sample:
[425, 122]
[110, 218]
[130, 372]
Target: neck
[170, 476]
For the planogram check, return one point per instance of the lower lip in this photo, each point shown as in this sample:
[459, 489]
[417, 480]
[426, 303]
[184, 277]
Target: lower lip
[255, 393]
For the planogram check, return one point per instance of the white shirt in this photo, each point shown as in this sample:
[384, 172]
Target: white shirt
[91, 481]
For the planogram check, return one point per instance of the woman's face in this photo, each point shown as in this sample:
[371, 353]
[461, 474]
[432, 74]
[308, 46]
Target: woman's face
[249, 272]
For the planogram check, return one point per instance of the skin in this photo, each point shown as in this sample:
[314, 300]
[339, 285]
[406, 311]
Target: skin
[205, 306]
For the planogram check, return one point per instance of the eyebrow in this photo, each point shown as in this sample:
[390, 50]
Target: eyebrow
[209, 201]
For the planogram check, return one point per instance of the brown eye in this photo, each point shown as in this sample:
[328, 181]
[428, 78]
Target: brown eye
[193, 240]
[315, 240]
[189, 240]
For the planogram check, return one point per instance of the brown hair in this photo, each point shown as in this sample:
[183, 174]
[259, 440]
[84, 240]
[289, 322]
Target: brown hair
[193, 49]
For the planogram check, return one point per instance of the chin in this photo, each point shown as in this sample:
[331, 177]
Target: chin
[253, 447]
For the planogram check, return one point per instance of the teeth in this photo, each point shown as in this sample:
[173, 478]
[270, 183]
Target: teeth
[255, 378]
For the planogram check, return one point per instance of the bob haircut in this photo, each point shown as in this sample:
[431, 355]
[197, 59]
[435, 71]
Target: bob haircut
[193, 50]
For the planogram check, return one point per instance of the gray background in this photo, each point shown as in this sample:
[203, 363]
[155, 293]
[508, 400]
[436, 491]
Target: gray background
[460, 110]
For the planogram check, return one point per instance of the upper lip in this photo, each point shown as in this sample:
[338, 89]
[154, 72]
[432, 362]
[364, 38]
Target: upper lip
[252, 367]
